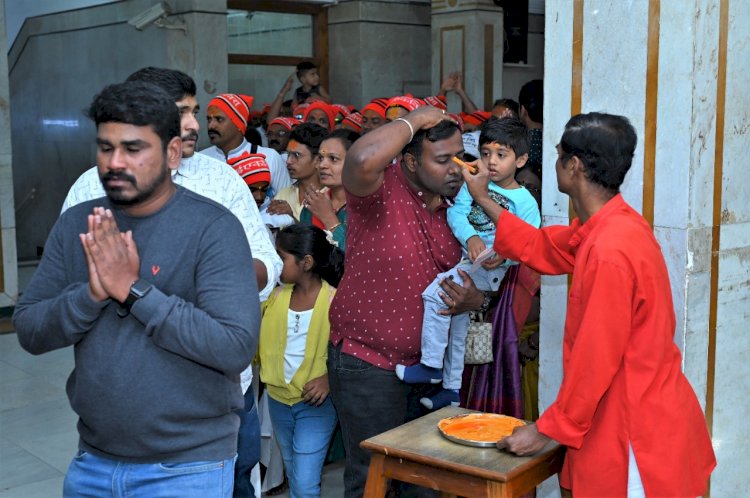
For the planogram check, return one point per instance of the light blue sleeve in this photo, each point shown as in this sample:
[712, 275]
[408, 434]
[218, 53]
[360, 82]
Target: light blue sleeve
[458, 216]
[528, 210]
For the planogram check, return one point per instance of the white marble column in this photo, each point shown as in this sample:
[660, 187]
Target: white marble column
[9, 269]
[680, 69]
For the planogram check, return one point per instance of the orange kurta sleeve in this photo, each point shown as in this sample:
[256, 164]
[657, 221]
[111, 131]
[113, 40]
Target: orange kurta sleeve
[545, 250]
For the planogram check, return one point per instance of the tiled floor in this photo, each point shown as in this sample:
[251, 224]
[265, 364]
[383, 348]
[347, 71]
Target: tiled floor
[37, 427]
[38, 434]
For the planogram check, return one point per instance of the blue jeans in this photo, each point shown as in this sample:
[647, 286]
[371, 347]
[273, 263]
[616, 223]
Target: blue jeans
[444, 337]
[96, 477]
[248, 447]
[303, 432]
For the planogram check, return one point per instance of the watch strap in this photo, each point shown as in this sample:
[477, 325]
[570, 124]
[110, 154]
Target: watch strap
[138, 289]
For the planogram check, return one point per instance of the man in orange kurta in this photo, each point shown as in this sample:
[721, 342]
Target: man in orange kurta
[623, 393]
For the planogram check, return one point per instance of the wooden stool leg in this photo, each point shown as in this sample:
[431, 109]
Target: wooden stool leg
[376, 481]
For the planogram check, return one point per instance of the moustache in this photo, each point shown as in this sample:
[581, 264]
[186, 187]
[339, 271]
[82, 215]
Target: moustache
[190, 136]
[213, 133]
[109, 176]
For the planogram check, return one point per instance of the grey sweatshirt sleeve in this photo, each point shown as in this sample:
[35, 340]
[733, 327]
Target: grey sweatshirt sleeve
[221, 329]
[54, 311]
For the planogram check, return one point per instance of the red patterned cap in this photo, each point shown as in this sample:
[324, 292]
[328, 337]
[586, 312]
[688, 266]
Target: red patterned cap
[253, 168]
[236, 107]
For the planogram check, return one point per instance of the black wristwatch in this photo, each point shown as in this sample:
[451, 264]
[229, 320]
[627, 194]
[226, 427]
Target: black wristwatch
[138, 290]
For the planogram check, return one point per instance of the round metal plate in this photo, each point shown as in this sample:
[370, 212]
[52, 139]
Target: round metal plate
[468, 442]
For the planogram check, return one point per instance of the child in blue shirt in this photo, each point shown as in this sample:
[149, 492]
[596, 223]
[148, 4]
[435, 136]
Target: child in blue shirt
[503, 148]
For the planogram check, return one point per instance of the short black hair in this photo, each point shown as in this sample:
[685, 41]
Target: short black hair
[509, 104]
[441, 131]
[510, 132]
[532, 98]
[605, 144]
[140, 104]
[176, 83]
[304, 67]
[309, 135]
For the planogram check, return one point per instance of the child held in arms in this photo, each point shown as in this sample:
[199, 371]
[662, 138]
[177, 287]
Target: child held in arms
[503, 148]
[307, 74]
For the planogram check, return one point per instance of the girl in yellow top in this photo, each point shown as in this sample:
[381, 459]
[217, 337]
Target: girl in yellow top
[293, 350]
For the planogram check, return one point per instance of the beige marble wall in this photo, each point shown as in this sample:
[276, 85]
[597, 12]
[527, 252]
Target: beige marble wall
[9, 269]
[467, 36]
[700, 184]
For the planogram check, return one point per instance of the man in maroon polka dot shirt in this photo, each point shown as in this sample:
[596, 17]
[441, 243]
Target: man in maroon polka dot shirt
[397, 240]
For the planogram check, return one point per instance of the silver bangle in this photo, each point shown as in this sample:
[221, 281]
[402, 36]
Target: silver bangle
[411, 128]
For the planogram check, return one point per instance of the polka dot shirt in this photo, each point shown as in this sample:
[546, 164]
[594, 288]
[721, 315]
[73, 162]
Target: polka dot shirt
[395, 247]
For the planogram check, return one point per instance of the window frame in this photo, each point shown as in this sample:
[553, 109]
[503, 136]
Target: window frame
[319, 16]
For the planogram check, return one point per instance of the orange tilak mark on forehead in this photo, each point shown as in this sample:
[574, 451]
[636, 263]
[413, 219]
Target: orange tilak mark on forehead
[292, 146]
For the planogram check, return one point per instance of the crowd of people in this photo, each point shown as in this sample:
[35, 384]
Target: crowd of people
[337, 253]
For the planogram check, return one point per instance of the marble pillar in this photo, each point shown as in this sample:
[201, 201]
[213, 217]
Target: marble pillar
[678, 71]
[467, 36]
[8, 266]
[379, 49]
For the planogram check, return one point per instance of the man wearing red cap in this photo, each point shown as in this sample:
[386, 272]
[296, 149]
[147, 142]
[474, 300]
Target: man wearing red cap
[228, 115]
[373, 114]
[278, 134]
[321, 114]
[254, 171]
[400, 106]
[353, 122]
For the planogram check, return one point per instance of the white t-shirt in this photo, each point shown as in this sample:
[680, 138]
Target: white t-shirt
[298, 323]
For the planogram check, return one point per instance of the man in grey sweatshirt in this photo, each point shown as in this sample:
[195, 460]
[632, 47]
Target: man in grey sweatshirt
[145, 283]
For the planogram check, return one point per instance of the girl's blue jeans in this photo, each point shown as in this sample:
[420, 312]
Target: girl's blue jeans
[303, 432]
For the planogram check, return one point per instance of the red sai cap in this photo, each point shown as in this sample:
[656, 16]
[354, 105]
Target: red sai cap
[236, 107]
[476, 118]
[438, 101]
[300, 110]
[406, 101]
[287, 123]
[341, 109]
[353, 121]
[378, 106]
[253, 168]
[328, 109]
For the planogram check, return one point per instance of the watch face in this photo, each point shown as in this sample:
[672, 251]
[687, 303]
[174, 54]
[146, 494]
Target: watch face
[140, 288]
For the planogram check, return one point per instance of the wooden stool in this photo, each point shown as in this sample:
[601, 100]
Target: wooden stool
[417, 453]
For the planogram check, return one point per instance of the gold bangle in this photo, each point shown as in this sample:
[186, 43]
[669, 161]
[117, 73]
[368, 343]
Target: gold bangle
[334, 227]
